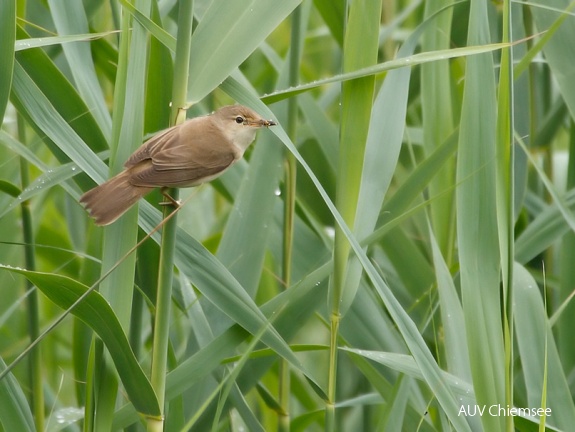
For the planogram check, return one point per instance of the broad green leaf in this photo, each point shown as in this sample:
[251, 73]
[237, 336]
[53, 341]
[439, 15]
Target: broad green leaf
[477, 229]
[437, 112]
[380, 160]
[361, 43]
[234, 28]
[505, 194]
[95, 311]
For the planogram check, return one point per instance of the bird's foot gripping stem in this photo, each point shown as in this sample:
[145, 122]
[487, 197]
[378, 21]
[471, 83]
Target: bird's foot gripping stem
[170, 201]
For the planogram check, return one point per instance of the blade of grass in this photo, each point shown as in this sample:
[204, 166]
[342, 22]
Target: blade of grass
[361, 42]
[120, 237]
[452, 317]
[7, 39]
[505, 192]
[70, 19]
[564, 311]
[159, 33]
[407, 365]
[380, 161]
[477, 224]
[544, 384]
[96, 312]
[533, 334]
[60, 93]
[413, 60]
[14, 410]
[29, 43]
[236, 28]
[437, 112]
[45, 115]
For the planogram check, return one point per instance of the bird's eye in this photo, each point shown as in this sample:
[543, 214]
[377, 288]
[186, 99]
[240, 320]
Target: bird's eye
[239, 119]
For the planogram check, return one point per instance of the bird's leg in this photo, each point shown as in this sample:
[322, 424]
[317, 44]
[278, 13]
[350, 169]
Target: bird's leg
[171, 201]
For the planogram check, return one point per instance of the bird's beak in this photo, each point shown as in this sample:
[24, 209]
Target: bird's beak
[262, 123]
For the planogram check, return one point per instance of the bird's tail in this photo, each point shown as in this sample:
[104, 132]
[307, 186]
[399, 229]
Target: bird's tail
[110, 200]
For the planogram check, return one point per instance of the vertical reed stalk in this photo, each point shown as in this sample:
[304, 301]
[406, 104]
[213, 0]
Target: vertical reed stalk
[505, 188]
[35, 359]
[361, 41]
[167, 248]
[289, 208]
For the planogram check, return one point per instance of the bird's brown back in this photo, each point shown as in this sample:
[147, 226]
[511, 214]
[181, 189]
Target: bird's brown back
[182, 156]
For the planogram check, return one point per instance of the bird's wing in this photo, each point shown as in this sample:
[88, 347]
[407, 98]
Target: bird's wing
[181, 157]
[144, 151]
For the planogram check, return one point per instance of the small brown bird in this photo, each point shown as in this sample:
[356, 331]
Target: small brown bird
[185, 155]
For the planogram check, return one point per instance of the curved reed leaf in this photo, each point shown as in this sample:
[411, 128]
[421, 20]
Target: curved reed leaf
[15, 413]
[96, 312]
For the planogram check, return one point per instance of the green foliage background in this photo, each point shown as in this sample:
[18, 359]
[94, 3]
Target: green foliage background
[424, 161]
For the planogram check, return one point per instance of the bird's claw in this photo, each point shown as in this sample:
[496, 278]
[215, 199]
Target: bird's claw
[173, 202]
[170, 201]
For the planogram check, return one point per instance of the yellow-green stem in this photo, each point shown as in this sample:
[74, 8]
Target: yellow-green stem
[331, 384]
[167, 247]
[506, 189]
[289, 208]
[163, 306]
[361, 45]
